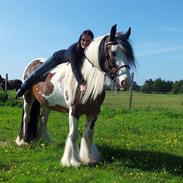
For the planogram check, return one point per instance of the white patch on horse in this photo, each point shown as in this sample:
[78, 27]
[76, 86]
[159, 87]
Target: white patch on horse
[57, 97]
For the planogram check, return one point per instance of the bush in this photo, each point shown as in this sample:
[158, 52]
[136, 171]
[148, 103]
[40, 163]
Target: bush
[3, 97]
[14, 103]
[7, 99]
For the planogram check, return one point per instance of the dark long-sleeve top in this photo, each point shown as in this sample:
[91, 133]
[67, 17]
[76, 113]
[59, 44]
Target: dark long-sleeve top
[74, 54]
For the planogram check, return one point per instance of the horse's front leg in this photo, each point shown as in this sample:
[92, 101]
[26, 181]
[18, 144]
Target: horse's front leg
[89, 153]
[71, 152]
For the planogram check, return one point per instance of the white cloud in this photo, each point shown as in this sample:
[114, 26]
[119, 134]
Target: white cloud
[172, 29]
[157, 51]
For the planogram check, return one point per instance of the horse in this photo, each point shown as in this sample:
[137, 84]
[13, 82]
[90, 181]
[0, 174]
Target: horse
[108, 55]
[11, 84]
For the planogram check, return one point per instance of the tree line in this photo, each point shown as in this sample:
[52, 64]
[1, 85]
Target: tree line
[160, 86]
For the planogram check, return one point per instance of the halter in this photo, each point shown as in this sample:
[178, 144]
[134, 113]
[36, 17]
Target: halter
[113, 68]
[113, 74]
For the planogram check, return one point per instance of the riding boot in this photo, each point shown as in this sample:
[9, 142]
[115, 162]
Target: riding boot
[49, 64]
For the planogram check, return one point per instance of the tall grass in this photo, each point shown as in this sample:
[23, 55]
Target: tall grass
[144, 144]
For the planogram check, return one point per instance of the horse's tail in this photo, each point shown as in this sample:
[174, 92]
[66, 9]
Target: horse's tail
[32, 130]
[31, 133]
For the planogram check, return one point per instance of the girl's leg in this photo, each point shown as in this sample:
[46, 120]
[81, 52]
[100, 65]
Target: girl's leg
[49, 64]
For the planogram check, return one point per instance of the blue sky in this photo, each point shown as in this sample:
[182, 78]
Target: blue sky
[37, 28]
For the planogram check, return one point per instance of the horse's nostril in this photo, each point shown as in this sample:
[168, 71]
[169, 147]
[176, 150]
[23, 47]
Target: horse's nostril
[123, 83]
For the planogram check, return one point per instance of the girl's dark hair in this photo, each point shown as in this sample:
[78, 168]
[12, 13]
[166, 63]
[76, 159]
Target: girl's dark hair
[87, 32]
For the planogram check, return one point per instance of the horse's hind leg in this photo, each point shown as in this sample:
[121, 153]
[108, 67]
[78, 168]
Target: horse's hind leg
[42, 131]
[21, 138]
[71, 152]
[30, 117]
[89, 153]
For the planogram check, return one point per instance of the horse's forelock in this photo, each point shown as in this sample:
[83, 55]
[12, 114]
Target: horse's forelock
[127, 48]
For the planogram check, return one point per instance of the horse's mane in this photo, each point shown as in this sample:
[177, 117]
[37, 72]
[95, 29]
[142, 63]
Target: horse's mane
[94, 75]
[90, 70]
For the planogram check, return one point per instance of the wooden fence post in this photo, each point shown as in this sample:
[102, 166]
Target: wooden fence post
[6, 82]
[131, 92]
[113, 88]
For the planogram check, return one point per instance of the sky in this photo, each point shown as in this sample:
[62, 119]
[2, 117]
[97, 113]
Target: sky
[38, 28]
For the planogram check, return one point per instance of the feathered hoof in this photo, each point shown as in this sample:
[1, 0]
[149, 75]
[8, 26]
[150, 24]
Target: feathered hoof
[70, 163]
[90, 161]
[20, 142]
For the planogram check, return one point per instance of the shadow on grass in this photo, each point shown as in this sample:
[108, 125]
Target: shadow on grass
[144, 160]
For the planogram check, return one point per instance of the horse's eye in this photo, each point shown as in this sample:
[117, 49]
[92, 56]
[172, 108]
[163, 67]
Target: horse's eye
[113, 53]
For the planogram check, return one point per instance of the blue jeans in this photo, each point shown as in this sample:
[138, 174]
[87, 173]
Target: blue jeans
[48, 65]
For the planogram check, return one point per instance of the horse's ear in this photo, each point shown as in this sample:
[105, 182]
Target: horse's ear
[126, 35]
[113, 32]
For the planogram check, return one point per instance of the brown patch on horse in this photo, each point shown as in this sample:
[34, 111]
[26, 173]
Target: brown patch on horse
[29, 98]
[35, 64]
[48, 87]
[91, 107]
[43, 86]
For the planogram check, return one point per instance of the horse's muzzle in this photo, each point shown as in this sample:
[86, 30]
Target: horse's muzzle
[123, 83]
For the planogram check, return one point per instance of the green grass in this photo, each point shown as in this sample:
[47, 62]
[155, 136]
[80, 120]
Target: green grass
[141, 145]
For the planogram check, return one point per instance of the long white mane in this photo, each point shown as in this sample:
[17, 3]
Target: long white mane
[91, 72]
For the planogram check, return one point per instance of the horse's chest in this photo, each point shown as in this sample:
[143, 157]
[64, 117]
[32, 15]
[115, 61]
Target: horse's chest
[91, 107]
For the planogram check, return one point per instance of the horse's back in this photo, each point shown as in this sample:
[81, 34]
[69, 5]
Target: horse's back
[32, 66]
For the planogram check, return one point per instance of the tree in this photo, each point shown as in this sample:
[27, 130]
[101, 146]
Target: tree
[162, 86]
[136, 87]
[178, 87]
[148, 86]
[157, 86]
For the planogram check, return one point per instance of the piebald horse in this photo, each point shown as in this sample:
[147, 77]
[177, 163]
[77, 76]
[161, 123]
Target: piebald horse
[110, 55]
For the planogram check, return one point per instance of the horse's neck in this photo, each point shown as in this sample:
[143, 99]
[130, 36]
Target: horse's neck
[95, 81]
[94, 78]
[92, 51]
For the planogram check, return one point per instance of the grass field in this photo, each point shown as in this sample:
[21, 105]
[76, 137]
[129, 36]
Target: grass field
[144, 144]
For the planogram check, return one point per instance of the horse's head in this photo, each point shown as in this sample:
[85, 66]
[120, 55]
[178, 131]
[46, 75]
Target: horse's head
[117, 57]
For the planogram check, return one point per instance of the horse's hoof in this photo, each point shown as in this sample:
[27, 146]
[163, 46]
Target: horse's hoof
[70, 163]
[20, 142]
